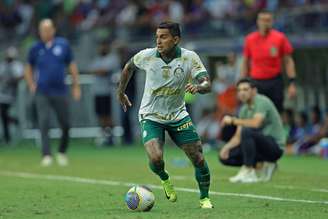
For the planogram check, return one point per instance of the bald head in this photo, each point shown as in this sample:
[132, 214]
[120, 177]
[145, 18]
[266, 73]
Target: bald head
[46, 30]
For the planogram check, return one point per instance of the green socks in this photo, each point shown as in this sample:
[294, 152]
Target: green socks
[158, 168]
[203, 178]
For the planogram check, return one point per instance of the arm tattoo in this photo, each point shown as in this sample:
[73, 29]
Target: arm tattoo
[204, 84]
[126, 75]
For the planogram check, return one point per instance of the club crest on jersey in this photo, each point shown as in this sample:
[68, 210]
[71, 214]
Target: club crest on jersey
[57, 51]
[273, 51]
[178, 72]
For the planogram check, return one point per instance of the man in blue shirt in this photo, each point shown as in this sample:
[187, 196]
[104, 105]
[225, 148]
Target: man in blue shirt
[45, 76]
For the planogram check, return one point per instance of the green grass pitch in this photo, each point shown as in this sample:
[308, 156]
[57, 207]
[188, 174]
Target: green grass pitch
[95, 182]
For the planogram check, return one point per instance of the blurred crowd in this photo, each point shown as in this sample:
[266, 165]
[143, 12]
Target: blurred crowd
[124, 18]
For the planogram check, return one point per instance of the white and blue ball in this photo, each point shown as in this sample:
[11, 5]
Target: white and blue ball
[140, 198]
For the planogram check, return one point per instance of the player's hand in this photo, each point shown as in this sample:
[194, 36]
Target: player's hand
[191, 88]
[227, 120]
[124, 101]
[291, 91]
[32, 88]
[76, 92]
[224, 153]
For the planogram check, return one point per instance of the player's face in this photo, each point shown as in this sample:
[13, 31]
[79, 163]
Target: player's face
[165, 41]
[245, 92]
[46, 30]
[264, 21]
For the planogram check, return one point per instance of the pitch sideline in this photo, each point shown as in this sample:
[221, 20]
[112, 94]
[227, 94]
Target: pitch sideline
[117, 183]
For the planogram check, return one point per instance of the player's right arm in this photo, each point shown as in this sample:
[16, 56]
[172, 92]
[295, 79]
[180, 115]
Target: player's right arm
[244, 67]
[29, 78]
[28, 73]
[244, 71]
[126, 75]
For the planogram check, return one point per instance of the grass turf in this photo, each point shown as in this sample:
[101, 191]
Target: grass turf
[298, 178]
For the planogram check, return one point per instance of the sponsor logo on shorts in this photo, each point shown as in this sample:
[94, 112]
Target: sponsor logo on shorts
[184, 126]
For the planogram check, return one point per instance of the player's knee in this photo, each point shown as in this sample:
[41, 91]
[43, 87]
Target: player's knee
[246, 132]
[198, 160]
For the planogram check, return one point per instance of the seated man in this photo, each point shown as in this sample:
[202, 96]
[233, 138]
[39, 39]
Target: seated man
[258, 138]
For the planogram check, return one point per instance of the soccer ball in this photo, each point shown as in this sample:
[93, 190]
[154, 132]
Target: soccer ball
[140, 198]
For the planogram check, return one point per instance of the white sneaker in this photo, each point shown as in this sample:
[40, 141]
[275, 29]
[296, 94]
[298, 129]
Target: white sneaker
[46, 161]
[266, 172]
[249, 177]
[239, 175]
[62, 159]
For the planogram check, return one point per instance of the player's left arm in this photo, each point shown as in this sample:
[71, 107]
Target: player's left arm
[291, 73]
[199, 73]
[287, 49]
[203, 85]
[76, 90]
[73, 70]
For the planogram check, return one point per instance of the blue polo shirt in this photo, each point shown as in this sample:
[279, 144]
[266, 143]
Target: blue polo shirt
[49, 64]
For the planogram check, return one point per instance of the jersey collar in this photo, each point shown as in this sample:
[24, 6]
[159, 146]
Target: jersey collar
[177, 54]
[265, 36]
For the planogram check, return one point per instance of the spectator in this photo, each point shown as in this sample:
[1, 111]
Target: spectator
[208, 127]
[224, 85]
[11, 72]
[302, 128]
[314, 135]
[103, 67]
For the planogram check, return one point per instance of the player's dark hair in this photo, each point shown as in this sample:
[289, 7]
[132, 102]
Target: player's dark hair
[265, 11]
[248, 81]
[173, 27]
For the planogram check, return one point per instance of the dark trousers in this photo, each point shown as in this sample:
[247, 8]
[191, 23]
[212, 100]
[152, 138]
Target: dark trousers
[60, 105]
[254, 147]
[274, 89]
[4, 110]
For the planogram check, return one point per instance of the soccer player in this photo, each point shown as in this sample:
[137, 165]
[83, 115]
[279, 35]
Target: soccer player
[258, 138]
[265, 50]
[168, 70]
[45, 76]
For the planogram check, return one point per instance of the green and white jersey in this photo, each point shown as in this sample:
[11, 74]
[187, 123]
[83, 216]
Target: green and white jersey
[163, 98]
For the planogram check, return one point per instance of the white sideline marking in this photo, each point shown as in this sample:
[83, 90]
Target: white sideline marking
[300, 188]
[117, 183]
[182, 178]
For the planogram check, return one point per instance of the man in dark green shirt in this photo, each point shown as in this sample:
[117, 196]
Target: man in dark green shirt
[258, 138]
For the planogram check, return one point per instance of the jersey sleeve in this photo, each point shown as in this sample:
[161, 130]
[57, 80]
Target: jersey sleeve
[197, 67]
[262, 108]
[287, 48]
[69, 54]
[138, 59]
[242, 113]
[31, 56]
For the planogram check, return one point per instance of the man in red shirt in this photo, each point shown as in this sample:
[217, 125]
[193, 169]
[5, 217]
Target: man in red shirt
[265, 51]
